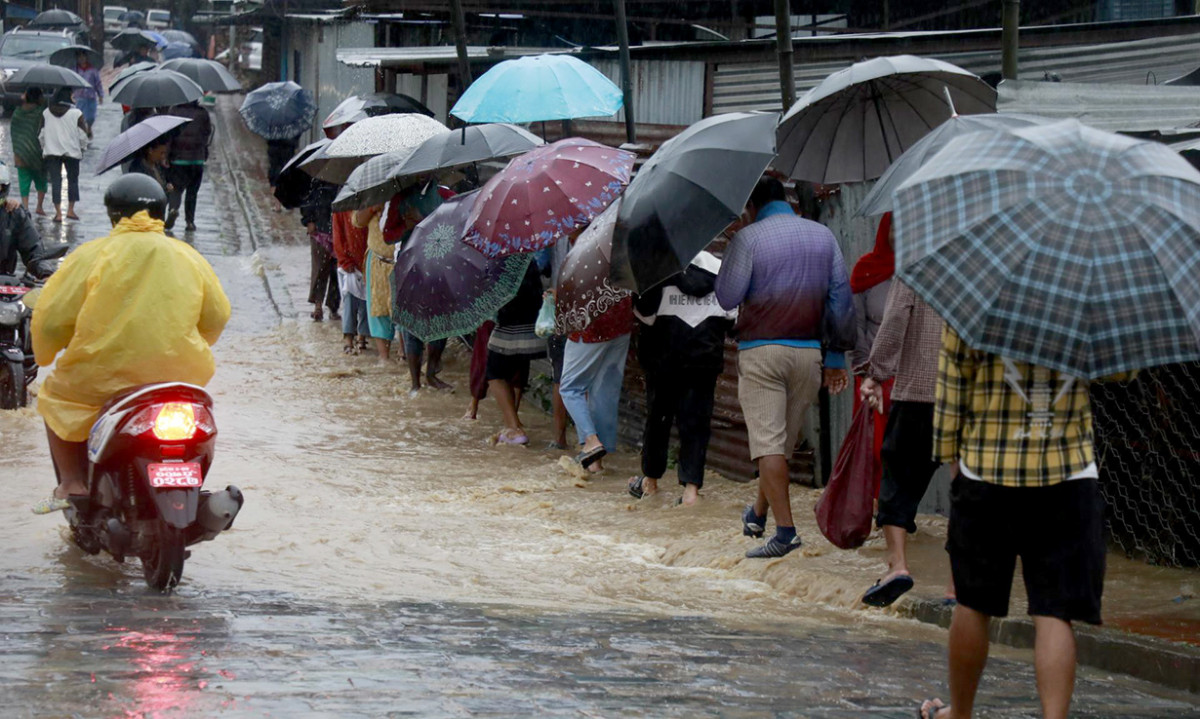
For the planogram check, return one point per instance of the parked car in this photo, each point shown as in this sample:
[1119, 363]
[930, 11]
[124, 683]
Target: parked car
[20, 48]
[250, 57]
[112, 20]
[158, 19]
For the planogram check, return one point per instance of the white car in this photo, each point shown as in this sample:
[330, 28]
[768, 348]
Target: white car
[250, 56]
[112, 22]
[158, 19]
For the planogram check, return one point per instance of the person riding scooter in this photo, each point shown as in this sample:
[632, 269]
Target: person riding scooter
[18, 236]
[133, 308]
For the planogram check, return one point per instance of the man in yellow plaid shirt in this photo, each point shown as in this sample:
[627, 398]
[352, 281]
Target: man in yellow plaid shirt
[1026, 486]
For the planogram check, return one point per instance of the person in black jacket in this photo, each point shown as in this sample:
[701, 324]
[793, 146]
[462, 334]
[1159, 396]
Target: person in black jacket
[681, 346]
[189, 152]
[19, 237]
[317, 216]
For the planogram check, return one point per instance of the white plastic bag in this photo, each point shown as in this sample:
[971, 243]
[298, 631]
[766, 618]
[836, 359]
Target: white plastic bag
[545, 320]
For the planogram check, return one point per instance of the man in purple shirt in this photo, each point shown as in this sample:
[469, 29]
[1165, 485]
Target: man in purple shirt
[795, 320]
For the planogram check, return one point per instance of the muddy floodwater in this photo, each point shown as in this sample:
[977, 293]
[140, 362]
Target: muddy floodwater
[390, 561]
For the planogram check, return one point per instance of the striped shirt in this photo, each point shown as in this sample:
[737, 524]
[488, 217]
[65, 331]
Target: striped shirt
[1010, 423]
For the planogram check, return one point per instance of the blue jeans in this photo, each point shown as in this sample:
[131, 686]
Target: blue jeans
[88, 107]
[591, 387]
[354, 316]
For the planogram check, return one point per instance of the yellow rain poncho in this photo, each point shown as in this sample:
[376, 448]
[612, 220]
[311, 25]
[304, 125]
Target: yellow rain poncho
[129, 309]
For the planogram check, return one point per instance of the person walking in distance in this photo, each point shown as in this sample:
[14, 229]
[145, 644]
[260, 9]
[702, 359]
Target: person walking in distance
[189, 152]
[64, 137]
[906, 348]
[787, 278]
[1020, 437]
[24, 129]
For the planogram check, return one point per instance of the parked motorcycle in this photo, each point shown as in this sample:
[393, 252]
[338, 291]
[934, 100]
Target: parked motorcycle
[16, 346]
[149, 453]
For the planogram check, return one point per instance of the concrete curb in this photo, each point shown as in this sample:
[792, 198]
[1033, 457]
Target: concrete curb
[1164, 662]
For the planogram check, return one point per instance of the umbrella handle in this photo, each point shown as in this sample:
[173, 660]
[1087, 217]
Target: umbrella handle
[950, 101]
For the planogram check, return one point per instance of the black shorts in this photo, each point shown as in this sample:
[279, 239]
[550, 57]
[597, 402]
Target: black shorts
[513, 369]
[1057, 531]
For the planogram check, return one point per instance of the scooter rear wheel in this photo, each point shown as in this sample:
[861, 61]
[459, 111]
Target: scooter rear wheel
[162, 565]
[12, 385]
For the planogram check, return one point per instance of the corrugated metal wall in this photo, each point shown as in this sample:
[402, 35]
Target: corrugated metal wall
[664, 92]
[330, 81]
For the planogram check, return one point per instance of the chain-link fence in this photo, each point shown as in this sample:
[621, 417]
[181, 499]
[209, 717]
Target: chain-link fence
[1148, 446]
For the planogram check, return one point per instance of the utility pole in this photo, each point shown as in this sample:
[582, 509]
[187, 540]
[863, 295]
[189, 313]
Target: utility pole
[1009, 40]
[460, 42]
[783, 46]
[626, 82]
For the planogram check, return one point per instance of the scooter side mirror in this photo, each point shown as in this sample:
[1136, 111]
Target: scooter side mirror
[59, 250]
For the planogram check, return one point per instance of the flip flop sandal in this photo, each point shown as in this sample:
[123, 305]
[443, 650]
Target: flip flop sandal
[506, 438]
[50, 505]
[587, 459]
[635, 487]
[883, 595]
[931, 715]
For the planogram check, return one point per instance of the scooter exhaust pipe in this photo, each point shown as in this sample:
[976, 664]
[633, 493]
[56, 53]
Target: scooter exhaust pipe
[218, 510]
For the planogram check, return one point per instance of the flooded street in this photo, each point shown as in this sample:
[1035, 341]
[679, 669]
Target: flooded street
[391, 562]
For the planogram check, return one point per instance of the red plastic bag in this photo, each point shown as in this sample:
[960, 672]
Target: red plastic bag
[847, 505]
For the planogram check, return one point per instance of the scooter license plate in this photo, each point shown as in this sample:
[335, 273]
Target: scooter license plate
[175, 474]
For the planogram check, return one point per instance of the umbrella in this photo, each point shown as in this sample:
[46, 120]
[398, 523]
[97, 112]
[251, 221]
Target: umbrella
[539, 88]
[180, 36]
[687, 192]
[879, 199]
[291, 187]
[132, 16]
[371, 183]
[65, 57]
[476, 143]
[857, 121]
[179, 51]
[279, 110]
[130, 72]
[128, 143]
[386, 133]
[157, 37]
[157, 88]
[56, 18]
[584, 291]
[211, 76]
[43, 75]
[1059, 245]
[443, 287]
[546, 194]
[130, 40]
[360, 107]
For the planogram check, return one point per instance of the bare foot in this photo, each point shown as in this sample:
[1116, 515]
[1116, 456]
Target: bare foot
[470, 416]
[934, 709]
[649, 486]
[690, 495]
[434, 382]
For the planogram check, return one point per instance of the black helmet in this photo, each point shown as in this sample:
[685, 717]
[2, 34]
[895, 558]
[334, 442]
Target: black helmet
[133, 193]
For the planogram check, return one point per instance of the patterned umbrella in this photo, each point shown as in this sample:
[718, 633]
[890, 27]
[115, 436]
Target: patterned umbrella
[584, 291]
[539, 88]
[126, 144]
[210, 75]
[292, 185]
[386, 133]
[879, 199]
[157, 88]
[857, 121]
[546, 194]
[476, 143]
[279, 110]
[360, 107]
[1059, 245]
[371, 183]
[443, 287]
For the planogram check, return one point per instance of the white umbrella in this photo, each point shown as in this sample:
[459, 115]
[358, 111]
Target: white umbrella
[386, 133]
[851, 126]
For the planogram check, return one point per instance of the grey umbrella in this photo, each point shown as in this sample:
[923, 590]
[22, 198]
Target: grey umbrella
[65, 57]
[157, 88]
[475, 143]
[43, 75]
[371, 183]
[857, 121]
[128, 143]
[879, 200]
[210, 75]
[129, 72]
[686, 193]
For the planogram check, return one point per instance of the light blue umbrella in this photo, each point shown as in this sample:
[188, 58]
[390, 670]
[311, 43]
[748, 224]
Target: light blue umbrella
[177, 50]
[539, 88]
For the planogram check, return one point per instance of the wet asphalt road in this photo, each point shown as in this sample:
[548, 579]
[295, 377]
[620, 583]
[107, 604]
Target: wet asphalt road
[80, 636]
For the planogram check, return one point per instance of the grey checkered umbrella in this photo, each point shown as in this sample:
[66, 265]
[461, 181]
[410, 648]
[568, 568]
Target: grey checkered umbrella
[370, 183]
[1059, 245]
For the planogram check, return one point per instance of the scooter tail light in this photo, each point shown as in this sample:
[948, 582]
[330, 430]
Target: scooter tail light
[175, 421]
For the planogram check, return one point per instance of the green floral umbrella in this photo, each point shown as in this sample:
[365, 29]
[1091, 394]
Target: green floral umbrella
[444, 286]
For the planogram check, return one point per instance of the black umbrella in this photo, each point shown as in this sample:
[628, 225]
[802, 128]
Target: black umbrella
[157, 88]
[686, 193]
[208, 74]
[43, 75]
[134, 18]
[66, 57]
[130, 72]
[292, 185]
[56, 18]
[130, 40]
[360, 107]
